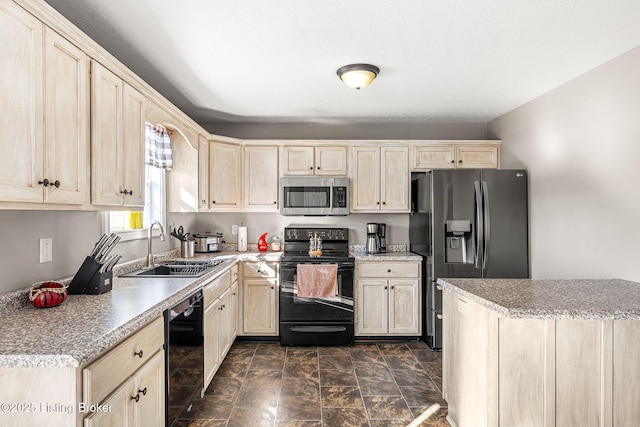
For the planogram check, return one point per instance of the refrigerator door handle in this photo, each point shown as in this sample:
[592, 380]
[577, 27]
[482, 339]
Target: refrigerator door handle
[479, 225]
[486, 231]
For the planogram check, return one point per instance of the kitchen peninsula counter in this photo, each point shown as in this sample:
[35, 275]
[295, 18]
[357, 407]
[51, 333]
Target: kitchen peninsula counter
[85, 326]
[541, 352]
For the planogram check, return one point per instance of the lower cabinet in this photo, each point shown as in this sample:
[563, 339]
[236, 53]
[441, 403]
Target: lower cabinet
[128, 381]
[138, 402]
[387, 299]
[260, 298]
[220, 321]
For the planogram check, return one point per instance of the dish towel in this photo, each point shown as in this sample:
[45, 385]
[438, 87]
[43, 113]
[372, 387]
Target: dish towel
[317, 280]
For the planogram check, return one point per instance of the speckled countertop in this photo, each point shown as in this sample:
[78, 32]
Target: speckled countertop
[552, 299]
[85, 326]
[393, 256]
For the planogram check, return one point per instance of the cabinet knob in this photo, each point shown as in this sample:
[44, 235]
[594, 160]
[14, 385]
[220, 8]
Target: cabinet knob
[44, 182]
[214, 202]
[384, 203]
[453, 161]
[138, 353]
[136, 397]
[377, 203]
[56, 184]
[318, 168]
[460, 161]
[389, 271]
[386, 287]
[204, 201]
[272, 287]
[393, 287]
[143, 391]
[275, 203]
[310, 168]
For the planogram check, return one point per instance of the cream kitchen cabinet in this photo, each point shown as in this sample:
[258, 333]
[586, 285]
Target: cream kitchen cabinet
[387, 299]
[203, 173]
[379, 179]
[44, 99]
[309, 160]
[117, 141]
[225, 177]
[220, 299]
[455, 157]
[259, 296]
[130, 379]
[260, 178]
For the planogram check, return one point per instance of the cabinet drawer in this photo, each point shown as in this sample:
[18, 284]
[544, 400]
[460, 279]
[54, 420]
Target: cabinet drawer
[384, 270]
[216, 287]
[259, 269]
[104, 375]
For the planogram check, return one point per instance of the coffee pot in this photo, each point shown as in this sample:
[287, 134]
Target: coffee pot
[373, 243]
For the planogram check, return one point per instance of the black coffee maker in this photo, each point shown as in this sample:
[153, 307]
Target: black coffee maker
[382, 241]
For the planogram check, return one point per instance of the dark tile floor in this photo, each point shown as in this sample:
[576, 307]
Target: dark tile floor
[265, 384]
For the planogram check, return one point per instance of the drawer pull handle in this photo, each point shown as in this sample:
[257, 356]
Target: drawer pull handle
[143, 391]
[138, 353]
[136, 397]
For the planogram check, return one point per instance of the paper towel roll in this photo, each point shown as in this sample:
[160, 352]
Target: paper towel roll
[242, 239]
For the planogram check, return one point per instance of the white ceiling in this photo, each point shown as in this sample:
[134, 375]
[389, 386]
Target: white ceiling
[447, 61]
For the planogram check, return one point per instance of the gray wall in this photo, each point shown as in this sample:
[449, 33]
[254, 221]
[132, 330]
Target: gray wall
[581, 144]
[73, 234]
[349, 131]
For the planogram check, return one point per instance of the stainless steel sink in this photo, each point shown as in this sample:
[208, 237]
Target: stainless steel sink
[177, 269]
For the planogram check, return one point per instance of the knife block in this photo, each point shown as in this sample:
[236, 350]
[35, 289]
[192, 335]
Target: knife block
[88, 279]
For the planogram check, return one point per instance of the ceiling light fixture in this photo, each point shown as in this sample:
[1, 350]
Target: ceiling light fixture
[358, 75]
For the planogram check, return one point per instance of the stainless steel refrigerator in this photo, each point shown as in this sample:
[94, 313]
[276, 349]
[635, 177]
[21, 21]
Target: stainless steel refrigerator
[467, 223]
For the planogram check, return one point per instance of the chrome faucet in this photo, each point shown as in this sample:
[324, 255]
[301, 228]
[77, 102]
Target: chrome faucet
[150, 253]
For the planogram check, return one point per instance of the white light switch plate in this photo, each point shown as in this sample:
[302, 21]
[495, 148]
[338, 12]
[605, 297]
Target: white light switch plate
[46, 250]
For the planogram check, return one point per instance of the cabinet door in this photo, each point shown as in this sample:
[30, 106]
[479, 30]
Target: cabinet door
[259, 315]
[261, 179]
[203, 173]
[234, 305]
[106, 136]
[211, 336]
[66, 121]
[21, 105]
[149, 387]
[477, 157]
[121, 411]
[297, 161]
[133, 145]
[225, 177]
[331, 161]
[404, 307]
[371, 307]
[225, 331]
[365, 179]
[394, 183]
[433, 157]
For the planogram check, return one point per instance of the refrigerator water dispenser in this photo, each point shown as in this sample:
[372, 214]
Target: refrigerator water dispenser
[459, 241]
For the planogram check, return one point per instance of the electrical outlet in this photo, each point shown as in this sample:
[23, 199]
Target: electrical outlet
[234, 229]
[46, 250]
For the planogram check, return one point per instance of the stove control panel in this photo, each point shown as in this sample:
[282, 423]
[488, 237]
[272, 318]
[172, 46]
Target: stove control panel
[303, 234]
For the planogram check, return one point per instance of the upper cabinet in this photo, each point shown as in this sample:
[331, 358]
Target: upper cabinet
[44, 96]
[260, 178]
[117, 141]
[203, 173]
[225, 177]
[452, 156]
[379, 179]
[309, 160]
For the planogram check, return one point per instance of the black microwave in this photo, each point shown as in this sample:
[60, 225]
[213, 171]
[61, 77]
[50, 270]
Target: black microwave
[314, 196]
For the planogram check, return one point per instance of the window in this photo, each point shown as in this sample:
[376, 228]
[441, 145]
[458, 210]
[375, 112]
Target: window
[132, 225]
